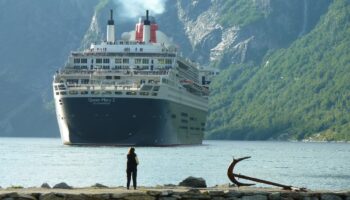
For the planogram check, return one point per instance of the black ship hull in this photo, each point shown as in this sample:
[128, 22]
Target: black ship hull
[129, 121]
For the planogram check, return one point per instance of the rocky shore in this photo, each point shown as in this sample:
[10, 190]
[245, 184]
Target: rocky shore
[167, 193]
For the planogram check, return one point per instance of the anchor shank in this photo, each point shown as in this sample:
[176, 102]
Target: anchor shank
[287, 187]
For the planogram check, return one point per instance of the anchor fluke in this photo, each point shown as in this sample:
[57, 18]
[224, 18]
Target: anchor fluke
[232, 176]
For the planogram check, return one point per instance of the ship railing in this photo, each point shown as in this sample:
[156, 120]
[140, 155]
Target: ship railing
[80, 87]
[130, 72]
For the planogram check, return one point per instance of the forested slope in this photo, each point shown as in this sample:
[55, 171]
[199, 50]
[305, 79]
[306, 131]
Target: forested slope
[299, 92]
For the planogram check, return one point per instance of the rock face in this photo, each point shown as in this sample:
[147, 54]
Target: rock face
[193, 182]
[45, 185]
[35, 43]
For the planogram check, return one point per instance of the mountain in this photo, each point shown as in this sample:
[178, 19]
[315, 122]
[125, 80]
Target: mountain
[297, 92]
[283, 63]
[36, 38]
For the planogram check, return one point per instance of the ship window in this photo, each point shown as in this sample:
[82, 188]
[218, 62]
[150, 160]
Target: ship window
[118, 93]
[173, 116]
[95, 92]
[168, 61]
[83, 67]
[72, 81]
[105, 67]
[202, 129]
[76, 67]
[118, 67]
[184, 121]
[154, 94]
[98, 60]
[84, 81]
[156, 88]
[203, 124]
[106, 60]
[183, 127]
[118, 60]
[144, 93]
[161, 61]
[141, 49]
[84, 92]
[84, 60]
[146, 87]
[126, 60]
[130, 93]
[116, 77]
[106, 92]
[145, 61]
[73, 92]
[57, 93]
[63, 93]
[76, 60]
[108, 77]
[184, 114]
[137, 60]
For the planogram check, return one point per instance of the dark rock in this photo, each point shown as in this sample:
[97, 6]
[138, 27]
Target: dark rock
[233, 194]
[16, 196]
[98, 185]
[255, 197]
[62, 185]
[45, 185]
[153, 193]
[330, 197]
[99, 196]
[51, 196]
[275, 196]
[193, 182]
[168, 198]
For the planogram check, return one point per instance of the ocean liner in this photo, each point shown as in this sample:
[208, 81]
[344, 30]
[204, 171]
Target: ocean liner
[137, 91]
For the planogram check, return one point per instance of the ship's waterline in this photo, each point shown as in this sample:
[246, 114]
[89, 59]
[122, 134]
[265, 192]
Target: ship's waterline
[129, 121]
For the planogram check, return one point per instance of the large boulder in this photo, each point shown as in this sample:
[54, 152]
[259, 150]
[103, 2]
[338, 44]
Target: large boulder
[45, 185]
[193, 182]
[99, 185]
[62, 185]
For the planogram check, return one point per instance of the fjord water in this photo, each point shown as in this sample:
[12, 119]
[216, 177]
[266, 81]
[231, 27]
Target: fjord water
[32, 161]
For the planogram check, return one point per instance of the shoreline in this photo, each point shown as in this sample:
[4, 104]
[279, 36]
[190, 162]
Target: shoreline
[169, 193]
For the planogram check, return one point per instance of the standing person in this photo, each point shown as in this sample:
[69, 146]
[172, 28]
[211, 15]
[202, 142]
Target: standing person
[131, 167]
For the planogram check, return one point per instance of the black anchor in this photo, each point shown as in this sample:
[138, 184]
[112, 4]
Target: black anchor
[232, 176]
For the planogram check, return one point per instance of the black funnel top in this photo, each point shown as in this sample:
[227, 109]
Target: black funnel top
[111, 21]
[147, 22]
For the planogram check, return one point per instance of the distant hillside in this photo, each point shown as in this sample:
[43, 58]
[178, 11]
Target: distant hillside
[36, 38]
[301, 92]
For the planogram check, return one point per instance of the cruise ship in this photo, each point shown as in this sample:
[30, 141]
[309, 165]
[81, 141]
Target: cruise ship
[135, 91]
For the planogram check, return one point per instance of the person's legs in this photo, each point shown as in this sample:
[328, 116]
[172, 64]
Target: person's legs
[134, 176]
[128, 178]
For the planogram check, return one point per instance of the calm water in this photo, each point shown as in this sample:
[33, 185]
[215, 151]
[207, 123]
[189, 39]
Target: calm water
[32, 161]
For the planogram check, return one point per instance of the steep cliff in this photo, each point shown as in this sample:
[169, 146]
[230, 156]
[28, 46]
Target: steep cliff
[36, 38]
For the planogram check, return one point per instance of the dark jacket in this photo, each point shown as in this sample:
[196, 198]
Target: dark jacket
[132, 163]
